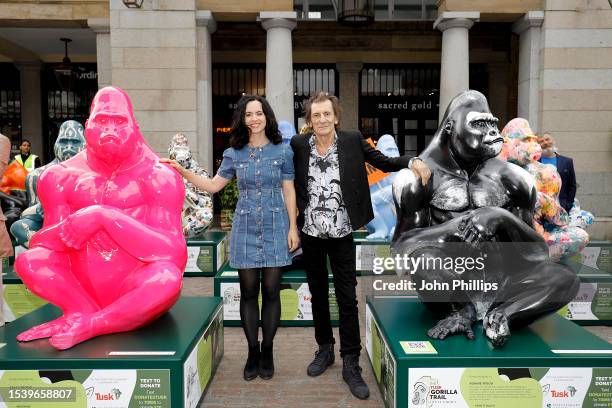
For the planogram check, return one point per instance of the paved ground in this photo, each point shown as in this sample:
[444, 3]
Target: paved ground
[294, 348]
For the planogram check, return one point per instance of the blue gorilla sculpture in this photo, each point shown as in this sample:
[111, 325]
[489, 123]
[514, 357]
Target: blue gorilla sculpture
[383, 224]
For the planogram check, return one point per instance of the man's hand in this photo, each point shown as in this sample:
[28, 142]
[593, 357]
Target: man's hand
[420, 170]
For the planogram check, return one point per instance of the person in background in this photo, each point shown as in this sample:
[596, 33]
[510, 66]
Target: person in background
[6, 249]
[565, 168]
[26, 158]
[264, 227]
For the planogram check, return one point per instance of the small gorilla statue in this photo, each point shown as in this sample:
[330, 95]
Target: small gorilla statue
[480, 207]
[70, 141]
[381, 227]
[198, 206]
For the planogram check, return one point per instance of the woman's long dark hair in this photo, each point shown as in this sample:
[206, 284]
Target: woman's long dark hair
[239, 134]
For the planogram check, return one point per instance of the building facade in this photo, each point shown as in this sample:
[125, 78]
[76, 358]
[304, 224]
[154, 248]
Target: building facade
[185, 63]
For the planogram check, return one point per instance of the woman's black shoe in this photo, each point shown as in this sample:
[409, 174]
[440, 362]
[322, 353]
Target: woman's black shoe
[252, 363]
[266, 363]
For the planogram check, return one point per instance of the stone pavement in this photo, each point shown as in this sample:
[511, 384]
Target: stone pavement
[293, 350]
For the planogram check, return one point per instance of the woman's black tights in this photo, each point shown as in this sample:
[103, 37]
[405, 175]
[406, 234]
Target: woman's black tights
[249, 306]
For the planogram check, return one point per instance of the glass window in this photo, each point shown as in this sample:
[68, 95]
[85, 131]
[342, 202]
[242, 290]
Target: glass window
[381, 10]
[408, 9]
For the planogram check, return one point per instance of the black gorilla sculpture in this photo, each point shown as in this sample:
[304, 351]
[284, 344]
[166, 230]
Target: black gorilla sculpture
[477, 205]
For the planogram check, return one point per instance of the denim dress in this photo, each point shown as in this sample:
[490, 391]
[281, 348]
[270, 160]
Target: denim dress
[261, 223]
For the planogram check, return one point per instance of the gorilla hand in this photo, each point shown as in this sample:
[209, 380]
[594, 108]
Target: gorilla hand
[481, 225]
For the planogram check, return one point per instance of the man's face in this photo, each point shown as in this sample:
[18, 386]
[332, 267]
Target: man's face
[24, 148]
[110, 127]
[546, 142]
[70, 141]
[322, 119]
[475, 136]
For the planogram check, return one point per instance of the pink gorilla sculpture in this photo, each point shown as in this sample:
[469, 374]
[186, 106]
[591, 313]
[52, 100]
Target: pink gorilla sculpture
[111, 251]
[551, 221]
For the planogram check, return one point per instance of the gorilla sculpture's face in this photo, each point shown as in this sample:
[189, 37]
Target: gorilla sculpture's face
[179, 150]
[475, 136]
[70, 140]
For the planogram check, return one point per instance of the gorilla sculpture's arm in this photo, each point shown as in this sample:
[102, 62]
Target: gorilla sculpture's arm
[57, 211]
[162, 216]
[411, 202]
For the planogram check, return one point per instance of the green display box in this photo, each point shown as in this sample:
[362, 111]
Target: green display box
[296, 309]
[366, 250]
[169, 363]
[17, 298]
[553, 363]
[206, 253]
[592, 305]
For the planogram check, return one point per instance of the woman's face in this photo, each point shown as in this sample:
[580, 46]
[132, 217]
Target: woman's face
[254, 117]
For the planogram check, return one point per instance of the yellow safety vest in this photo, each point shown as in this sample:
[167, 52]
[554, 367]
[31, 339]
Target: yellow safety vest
[29, 163]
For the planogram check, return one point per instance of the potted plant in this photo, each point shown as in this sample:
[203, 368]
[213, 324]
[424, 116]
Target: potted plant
[228, 197]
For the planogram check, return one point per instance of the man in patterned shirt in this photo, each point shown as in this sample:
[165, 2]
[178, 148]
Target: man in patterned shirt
[333, 199]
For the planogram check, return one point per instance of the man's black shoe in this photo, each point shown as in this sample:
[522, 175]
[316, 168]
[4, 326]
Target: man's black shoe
[324, 357]
[251, 368]
[351, 373]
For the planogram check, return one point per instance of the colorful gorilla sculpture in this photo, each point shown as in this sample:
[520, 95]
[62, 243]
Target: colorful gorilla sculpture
[198, 206]
[473, 204]
[70, 141]
[551, 221]
[383, 224]
[111, 252]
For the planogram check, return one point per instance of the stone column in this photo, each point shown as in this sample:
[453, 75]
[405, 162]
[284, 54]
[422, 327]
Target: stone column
[348, 90]
[101, 26]
[455, 64]
[529, 30]
[31, 105]
[206, 25]
[279, 61]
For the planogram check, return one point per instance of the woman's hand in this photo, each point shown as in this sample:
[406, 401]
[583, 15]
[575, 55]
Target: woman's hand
[182, 171]
[293, 239]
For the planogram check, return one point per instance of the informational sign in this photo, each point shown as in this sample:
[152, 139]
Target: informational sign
[18, 301]
[200, 365]
[85, 388]
[559, 387]
[295, 301]
[593, 302]
[365, 254]
[383, 362]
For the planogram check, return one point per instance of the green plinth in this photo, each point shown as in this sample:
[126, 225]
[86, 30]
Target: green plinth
[206, 253]
[538, 364]
[17, 298]
[167, 364]
[296, 309]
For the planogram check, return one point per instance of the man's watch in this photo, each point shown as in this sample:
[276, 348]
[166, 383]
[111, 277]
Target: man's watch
[412, 161]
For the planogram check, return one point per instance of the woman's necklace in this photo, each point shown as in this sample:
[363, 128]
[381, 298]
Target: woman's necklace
[254, 149]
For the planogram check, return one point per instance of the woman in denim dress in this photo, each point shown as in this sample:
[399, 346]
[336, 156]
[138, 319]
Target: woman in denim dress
[264, 229]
